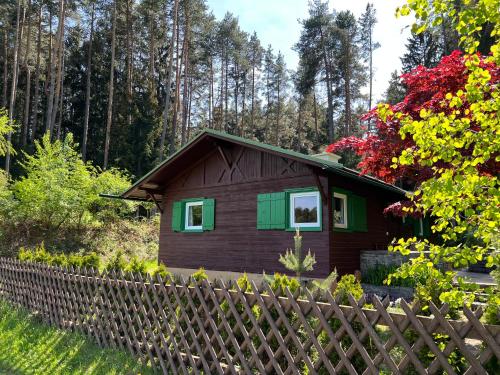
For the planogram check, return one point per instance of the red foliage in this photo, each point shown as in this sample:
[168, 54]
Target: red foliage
[426, 88]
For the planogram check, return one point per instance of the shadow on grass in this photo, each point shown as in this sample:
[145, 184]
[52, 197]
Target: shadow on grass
[28, 346]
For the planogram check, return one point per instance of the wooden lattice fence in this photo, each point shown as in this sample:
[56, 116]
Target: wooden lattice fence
[211, 328]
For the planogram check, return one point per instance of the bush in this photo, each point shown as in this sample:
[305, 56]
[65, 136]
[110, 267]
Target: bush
[280, 282]
[60, 260]
[117, 263]
[91, 260]
[57, 196]
[378, 275]
[348, 284]
[199, 275]
[40, 255]
[244, 283]
[162, 271]
[137, 265]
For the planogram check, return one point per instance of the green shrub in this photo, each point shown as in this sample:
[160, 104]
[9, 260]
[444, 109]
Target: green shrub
[492, 312]
[199, 275]
[25, 255]
[378, 275]
[280, 282]
[60, 260]
[91, 260]
[244, 283]
[40, 254]
[75, 260]
[116, 263]
[348, 284]
[137, 265]
[162, 271]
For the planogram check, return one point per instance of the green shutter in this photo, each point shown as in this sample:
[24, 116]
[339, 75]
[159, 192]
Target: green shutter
[357, 220]
[264, 211]
[177, 214]
[208, 214]
[278, 210]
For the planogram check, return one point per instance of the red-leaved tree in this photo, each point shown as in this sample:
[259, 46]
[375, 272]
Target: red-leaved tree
[426, 89]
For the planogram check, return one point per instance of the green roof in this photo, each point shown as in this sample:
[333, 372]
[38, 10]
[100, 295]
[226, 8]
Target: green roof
[331, 166]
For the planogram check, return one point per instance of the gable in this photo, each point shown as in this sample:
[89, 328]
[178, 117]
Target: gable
[233, 164]
[238, 160]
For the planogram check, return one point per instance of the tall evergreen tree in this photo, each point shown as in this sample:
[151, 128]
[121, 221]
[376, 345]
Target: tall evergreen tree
[367, 23]
[422, 49]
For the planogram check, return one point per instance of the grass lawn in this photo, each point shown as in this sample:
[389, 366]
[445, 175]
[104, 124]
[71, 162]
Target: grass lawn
[30, 347]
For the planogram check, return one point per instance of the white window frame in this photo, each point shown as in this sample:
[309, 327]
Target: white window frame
[344, 199]
[293, 224]
[186, 216]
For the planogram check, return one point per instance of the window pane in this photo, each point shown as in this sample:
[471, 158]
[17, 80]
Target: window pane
[306, 209]
[195, 216]
[338, 210]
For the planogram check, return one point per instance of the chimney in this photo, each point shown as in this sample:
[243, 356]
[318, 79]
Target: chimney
[328, 156]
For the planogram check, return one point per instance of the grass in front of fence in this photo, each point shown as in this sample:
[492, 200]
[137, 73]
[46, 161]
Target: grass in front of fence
[29, 346]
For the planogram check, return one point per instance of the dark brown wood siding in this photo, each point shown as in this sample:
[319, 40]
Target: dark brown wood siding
[346, 246]
[234, 176]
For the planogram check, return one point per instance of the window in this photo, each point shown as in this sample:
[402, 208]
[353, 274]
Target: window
[340, 210]
[304, 209]
[194, 215]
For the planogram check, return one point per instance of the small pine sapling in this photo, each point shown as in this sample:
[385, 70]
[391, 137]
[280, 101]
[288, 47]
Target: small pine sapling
[293, 261]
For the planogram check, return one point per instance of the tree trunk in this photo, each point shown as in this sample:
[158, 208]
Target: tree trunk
[60, 63]
[211, 95]
[87, 87]
[185, 95]
[243, 105]
[37, 76]
[52, 71]
[178, 70]
[129, 62]
[13, 91]
[60, 103]
[5, 67]
[27, 96]
[169, 82]
[152, 47]
[48, 62]
[347, 88]
[315, 108]
[236, 92]
[329, 92]
[189, 108]
[221, 106]
[371, 78]
[226, 97]
[109, 117]
[278, 113]
[252, 116]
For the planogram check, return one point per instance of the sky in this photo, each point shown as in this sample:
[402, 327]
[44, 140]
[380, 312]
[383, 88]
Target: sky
[276, 23]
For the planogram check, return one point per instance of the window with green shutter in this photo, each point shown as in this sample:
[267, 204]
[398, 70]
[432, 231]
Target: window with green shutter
[286, 210]
[349, 211]
[193, 215]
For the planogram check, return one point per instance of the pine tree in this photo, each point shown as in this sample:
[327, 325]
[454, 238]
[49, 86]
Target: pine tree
[367, 23]
[422, 49]
[295, 261]
[351, 71]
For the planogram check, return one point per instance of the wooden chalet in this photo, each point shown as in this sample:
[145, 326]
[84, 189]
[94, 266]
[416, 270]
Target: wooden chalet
[232, 204]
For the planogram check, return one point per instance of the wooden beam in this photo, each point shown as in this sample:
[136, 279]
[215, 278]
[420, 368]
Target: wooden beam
[319, 185]
[224, 157]
[153, 198]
